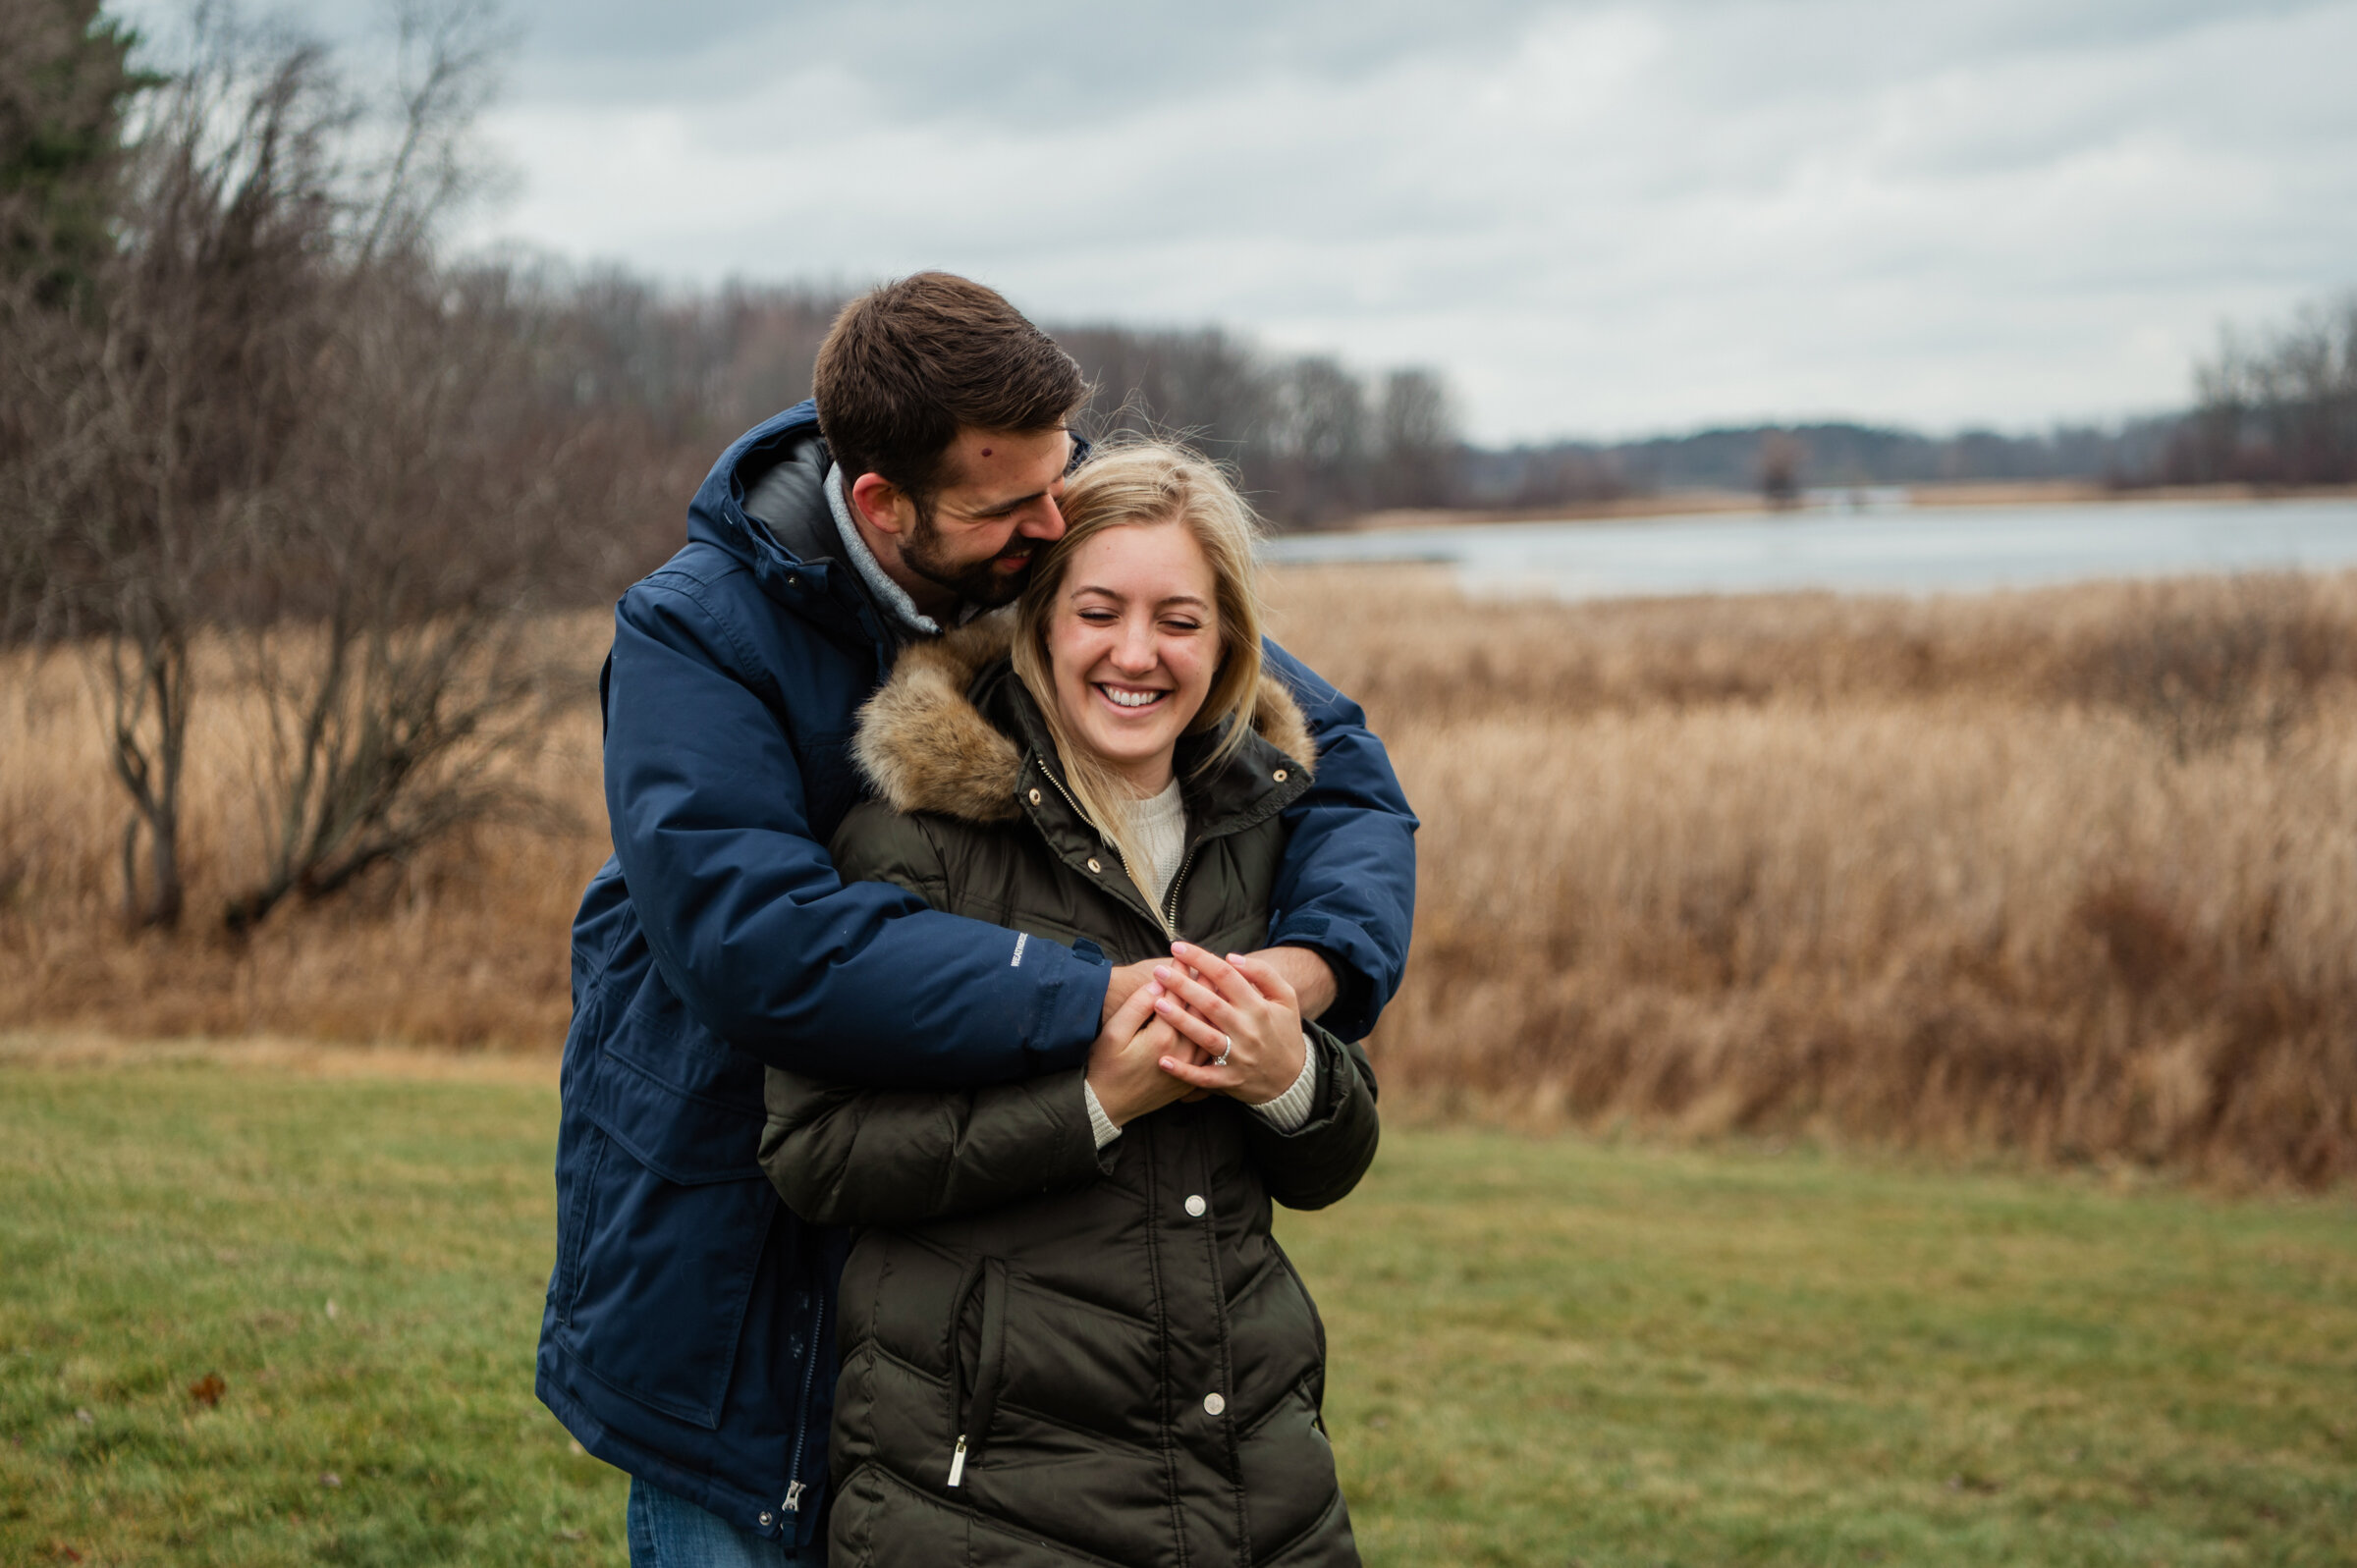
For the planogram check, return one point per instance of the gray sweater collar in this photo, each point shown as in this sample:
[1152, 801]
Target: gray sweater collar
[889, 595]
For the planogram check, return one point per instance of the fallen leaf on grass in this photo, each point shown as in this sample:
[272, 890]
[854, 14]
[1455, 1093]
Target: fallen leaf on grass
[63, 1553]
[571, 1535]
[208, 1389]
[84, 1417]
[328, 1477]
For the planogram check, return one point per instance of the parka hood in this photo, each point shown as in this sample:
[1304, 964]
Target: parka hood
[786, 452]
[926, 743]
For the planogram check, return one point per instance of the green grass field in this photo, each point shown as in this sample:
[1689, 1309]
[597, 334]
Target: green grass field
[1544, 1353]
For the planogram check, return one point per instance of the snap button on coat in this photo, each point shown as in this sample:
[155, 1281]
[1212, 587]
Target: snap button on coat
[1213, 1404]
[1196, 1204]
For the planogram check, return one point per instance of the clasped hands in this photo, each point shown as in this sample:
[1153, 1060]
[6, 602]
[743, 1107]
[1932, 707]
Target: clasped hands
[1170, 1021]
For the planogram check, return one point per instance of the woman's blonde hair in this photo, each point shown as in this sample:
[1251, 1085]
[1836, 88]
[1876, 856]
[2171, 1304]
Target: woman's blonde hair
[1146, 483]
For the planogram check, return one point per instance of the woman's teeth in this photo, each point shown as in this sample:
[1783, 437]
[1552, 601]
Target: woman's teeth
[1133, 699]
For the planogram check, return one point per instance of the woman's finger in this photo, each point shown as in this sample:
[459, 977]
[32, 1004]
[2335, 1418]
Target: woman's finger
[1158, 1038]
[1199, 998]
[1217, 973]
[1204, 1075]
[1203, 1031]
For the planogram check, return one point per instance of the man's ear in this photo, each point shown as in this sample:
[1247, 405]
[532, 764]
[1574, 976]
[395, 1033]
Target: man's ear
[882, 504]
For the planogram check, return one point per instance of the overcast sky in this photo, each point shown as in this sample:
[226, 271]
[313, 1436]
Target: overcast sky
[1594, 219]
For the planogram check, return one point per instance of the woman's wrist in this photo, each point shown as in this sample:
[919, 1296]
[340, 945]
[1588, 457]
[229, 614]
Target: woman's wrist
[1291, 1108]
[1100, 1125]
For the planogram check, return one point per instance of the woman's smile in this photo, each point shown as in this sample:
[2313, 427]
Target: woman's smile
[1132, 644]
[1132, 698]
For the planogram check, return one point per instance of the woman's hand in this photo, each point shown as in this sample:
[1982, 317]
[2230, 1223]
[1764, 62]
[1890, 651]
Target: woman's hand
[1126, 1060]
[1238, 1008]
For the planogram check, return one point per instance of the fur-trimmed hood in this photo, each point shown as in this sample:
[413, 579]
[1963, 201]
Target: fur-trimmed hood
[924, 744]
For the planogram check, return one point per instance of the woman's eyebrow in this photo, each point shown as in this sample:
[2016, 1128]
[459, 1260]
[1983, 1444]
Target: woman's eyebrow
[1121, 598]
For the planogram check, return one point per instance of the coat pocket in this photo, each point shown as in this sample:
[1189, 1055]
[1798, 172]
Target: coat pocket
[665, 1241]
[974, 1401]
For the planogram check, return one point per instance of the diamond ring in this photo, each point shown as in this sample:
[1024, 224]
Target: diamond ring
[1226, 1045]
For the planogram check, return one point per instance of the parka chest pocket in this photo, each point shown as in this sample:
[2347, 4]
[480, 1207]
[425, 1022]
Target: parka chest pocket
[668, 1241]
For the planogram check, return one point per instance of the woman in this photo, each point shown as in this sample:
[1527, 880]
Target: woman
[1067, 1336]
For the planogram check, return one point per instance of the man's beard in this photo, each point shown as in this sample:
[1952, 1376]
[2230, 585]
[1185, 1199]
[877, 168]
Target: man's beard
[973, 582]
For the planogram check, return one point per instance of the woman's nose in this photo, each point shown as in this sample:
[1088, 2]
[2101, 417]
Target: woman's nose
[1135, 652]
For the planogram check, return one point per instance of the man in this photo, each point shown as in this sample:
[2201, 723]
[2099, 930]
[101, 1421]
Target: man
[688, 1336]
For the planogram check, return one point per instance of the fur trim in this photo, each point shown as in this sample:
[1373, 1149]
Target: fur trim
[1279, 722]
[926, 747]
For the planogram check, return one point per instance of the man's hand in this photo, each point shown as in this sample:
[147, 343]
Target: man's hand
[1123, 985]
[1311, 978]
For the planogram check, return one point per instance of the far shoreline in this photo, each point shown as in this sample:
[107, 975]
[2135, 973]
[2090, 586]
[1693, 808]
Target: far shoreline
[1668, 504]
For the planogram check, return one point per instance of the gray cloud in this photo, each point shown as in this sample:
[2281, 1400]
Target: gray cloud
[1593, 216]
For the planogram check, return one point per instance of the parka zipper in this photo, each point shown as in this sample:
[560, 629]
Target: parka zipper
[1169, 918]
[1170, 921]
[801, 1432]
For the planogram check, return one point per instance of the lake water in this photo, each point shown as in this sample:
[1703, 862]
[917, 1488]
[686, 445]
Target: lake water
[1884, 548]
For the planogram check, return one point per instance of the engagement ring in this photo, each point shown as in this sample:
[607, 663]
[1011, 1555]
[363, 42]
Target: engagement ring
[1226, 1045]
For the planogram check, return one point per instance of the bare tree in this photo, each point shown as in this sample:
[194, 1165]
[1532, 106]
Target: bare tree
[284, 426]
[393, 646]
[387, 627]
[2280, 408]
[1780, 457]
[156, 415]
[1417, 432]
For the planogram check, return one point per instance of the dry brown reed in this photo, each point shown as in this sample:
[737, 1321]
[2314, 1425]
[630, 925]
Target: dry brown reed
[2069, 873]
[460, 945]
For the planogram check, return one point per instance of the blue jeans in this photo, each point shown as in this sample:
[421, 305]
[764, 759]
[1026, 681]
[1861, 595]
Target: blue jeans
[666, 1531]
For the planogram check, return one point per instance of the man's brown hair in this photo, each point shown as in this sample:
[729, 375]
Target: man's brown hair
[906, 363]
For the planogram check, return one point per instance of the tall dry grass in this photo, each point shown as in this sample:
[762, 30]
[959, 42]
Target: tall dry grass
[2073, 872]
[464, 944]
[2070, 872]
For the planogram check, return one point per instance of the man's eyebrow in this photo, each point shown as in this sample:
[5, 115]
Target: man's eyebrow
[995, 508]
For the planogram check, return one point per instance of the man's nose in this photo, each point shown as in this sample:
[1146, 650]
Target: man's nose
[1044, 522]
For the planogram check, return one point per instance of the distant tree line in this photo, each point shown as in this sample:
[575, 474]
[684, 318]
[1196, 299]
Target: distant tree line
[1313, 440]
[1782, 458]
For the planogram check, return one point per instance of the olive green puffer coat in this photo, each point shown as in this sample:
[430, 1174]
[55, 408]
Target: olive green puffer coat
[1129, 1361]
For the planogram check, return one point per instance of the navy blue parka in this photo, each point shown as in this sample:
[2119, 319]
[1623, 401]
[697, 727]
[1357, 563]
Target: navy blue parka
[687, 1336]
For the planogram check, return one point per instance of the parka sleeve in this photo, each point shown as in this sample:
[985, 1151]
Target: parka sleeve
[1347, 884]
[1320, 1161]
[746, 914]
[844, 1155]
